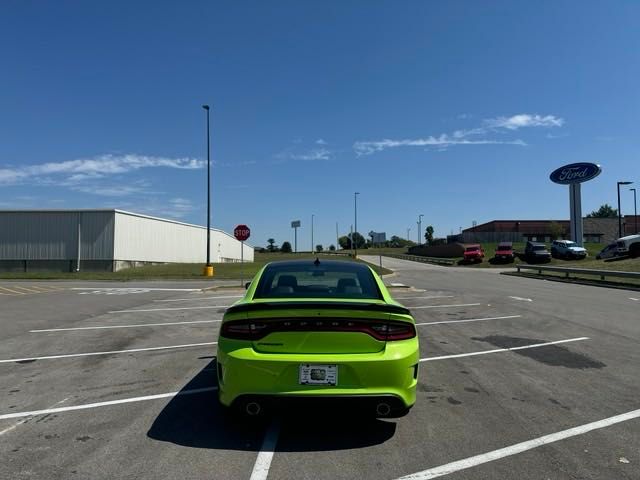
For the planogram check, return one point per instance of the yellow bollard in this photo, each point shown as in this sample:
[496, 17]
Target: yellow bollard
[208, 271]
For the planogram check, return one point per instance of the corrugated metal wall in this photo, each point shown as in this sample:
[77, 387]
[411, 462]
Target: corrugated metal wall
[53, 235]
[146, 239]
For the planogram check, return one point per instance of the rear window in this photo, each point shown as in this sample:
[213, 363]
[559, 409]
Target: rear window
[472, 249]
[317, 281]
[539, 247]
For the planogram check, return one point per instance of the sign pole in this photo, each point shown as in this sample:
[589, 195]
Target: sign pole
[575, 205]
[241, 263]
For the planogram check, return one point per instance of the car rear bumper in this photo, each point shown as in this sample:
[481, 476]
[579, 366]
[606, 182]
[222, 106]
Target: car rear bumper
[391, 372]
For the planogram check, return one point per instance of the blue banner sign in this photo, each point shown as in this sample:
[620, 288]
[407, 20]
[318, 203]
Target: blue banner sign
[575, 173]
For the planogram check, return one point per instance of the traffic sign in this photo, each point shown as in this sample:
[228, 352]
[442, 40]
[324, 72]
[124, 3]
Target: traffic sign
[241, 232]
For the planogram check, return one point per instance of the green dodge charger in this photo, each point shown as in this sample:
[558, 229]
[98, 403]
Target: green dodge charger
[318, 330]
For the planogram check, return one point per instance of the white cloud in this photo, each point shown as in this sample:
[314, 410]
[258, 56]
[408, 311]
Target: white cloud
[309, 155]
[524, 120]
[460, 137]
[312, 155]
[441, 142]
[76, 171]
[320, 141]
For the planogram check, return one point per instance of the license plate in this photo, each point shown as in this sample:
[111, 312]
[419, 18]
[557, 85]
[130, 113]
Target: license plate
[318, 374]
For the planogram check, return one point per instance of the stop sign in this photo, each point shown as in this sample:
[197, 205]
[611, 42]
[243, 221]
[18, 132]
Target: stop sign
[241, 232]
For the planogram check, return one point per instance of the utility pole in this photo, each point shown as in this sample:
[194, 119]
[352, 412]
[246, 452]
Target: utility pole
[313, 248]
[355, 214]
[208, 269]
[635, 211]
[420, 229]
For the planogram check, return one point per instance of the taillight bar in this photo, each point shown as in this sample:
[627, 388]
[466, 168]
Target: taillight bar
[256, 329]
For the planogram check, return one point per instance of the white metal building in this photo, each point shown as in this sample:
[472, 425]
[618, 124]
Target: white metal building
[106, 240]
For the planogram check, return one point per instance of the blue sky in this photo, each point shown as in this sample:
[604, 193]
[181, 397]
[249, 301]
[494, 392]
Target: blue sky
[456, 110]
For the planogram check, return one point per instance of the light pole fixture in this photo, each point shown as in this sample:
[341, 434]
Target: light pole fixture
[208, 269]
[619, 211]
[355, 223]
[408, 232]
[420, 229]
[635, 211]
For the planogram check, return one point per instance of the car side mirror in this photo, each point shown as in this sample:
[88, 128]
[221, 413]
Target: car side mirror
[247, 285]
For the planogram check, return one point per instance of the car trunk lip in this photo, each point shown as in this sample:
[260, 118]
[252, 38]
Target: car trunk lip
[318, 304]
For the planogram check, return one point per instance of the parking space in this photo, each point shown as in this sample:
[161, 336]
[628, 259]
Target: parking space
[123, 385]
[16, 288]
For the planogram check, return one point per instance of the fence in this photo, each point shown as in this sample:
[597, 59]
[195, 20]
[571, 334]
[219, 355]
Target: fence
[583, 271]
[417, 258]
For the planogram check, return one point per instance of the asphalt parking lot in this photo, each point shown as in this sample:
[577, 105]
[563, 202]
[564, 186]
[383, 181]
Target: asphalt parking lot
[519, 378]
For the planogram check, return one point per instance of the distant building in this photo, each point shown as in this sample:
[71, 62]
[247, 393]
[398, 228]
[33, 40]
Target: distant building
[105, 240]
[596, 230]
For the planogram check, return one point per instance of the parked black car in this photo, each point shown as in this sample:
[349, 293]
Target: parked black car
[536, 253]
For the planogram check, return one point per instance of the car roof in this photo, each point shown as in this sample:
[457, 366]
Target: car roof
[345, 264]
[629, 237]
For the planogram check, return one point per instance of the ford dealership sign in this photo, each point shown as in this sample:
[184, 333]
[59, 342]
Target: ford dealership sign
[575, 173]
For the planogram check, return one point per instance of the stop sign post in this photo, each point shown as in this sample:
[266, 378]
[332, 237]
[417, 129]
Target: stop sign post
[242, 233]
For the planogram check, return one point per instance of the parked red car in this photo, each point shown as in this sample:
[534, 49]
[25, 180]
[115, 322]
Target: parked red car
[473, 253]
[504, 252]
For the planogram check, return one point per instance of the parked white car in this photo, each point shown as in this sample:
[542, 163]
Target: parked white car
[629, 245]
[567, 249]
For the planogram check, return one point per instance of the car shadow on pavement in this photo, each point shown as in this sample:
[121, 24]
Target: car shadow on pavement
[197, 420]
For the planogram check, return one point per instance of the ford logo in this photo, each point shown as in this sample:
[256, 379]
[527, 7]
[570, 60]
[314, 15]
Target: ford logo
[575, 173]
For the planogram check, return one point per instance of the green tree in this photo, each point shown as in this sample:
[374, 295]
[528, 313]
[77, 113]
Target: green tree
[332, 248]
[345, 242]
[319, 248]
[605, 211]
[272, 246]
[286, 247]
[556, 230]
[428, 235]
[359, 240]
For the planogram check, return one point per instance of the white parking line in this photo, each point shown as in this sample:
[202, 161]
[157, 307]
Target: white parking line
[433, 296]
[105, 327]
[209, 297]
[484, 352]
[265, 455]
[520, 447]
[446, 306]
[634, 299]
[104, 404]
[170, 309]
[468, 320]
[522, 299]
[17, 424]
[71, 355]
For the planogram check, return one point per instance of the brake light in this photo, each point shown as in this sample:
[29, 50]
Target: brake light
[378, 329]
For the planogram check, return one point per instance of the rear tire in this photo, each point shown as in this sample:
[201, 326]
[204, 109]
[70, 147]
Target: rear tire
[634, 250]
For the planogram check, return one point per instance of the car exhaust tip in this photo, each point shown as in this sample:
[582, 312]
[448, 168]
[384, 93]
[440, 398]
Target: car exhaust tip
[253, 409]
[383, 409]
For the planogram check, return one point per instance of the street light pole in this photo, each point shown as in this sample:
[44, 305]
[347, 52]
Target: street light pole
[635, 211]
[408, 232]
[312, 247]
[420, 229]
[208, 269]
[355, 223]
[619, 211]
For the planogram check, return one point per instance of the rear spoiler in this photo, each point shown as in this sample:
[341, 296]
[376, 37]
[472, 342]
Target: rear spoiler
[374, 307]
